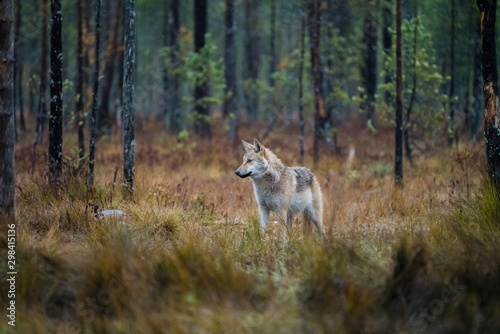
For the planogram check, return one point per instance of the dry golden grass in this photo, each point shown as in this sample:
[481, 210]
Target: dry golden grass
[188, 258]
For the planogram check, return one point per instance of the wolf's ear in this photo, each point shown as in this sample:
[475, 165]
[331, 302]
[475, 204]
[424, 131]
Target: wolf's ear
[257, 146]
[247, 146]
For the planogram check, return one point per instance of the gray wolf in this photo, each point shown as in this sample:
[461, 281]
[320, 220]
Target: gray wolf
[284, 190]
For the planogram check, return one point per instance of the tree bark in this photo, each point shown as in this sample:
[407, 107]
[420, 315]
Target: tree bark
[201, 110]
[93, 118]
[230, 108]
[252, 58]
[104, 119]
[129, 94]
[80, 119]
[18, 68]
[7, 135]
[321, 118]
[451, 121]
[487, 9]
[55, 124]
[398, 156]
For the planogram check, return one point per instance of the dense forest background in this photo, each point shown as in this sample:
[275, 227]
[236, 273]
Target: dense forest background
[442, 84]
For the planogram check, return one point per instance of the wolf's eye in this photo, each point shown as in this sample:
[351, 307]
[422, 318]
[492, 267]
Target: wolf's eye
[249, 161]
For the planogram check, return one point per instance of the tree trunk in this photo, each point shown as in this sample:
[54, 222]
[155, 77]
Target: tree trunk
[252, 59]
[406, 133]
[398, 156]
[301, 87]
[230, 108]
[129, 94]
[201, 110]
[451, 120]
[369, 71]
[173, 89]
[321, 119]
[7, 135]
[55, 124]
[93, 118]
[387, 40]
[80, 119]
[43, 85]
[18, 68]
[104, 119]
[487, 9]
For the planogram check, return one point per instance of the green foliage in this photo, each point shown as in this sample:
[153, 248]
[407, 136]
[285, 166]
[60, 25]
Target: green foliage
[419, 64]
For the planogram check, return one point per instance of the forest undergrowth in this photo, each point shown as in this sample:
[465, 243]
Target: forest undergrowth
[187, 257]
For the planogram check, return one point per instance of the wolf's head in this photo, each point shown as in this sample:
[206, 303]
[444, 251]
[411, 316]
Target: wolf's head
[255, 162]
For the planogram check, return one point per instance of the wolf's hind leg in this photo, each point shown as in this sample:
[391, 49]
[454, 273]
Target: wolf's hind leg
[317, 219]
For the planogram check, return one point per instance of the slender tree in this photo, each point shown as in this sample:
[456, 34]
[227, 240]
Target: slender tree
[451, 119]
[201, 110]
[129, 94]
[104, 119]
[7, 136]
[487, 9]
[42, 111]
[321, 118]
[95, 93]
[409, 109]
[398, 156]
[252, 58]
[18, 67]
[80, 120]
[230, 108]
[55, 120]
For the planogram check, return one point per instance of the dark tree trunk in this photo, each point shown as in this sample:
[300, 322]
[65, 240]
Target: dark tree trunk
[230, 108]
[80, 119]
[173, 85]
[95, 92]
[7, 135]
[398, 156]
[56, 116]
[409, 109]
[42, 111]
[451, 121]
[18, 69]
[252, 59]
[129, 94]
[487, 9]
[301, 87]
[104, 119]
[369, 71]
[387, 40]
[321, 118]
[201, 110]
[272, 44]
[476, 84]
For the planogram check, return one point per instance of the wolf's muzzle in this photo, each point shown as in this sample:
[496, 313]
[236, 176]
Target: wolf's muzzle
[242, 176]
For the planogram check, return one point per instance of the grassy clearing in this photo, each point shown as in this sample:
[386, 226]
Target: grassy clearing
[188, 258]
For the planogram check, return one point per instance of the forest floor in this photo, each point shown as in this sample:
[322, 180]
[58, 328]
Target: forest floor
[187, 256]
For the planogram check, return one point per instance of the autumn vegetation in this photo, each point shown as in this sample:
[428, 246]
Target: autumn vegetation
[187, 256]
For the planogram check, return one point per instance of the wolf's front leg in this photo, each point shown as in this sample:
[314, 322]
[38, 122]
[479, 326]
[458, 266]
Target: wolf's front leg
[263, 215]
